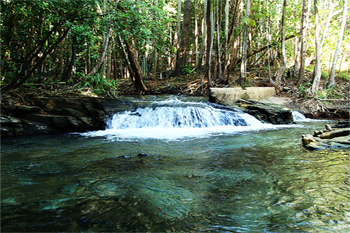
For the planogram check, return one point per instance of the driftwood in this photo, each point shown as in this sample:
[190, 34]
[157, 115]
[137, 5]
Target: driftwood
[335, 133]
[328, 138]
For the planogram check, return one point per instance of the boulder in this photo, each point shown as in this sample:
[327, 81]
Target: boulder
[266, 112]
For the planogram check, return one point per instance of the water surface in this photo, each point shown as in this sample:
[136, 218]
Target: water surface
[244, 181]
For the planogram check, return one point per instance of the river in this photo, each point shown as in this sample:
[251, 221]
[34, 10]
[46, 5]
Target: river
[235, 176]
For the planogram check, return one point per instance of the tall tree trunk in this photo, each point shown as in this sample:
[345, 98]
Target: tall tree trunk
[317, 76]
[280, 71]
[324, 35]
[125, 57]
[209, 44]
[233, 27]
[181, 56]
[137, 75]
[268, 35]
[115, 65]
[109, 61]
[302, 47]
[243, 74]
[70, 66]
[204, 34]
[226, 42]
[88, 59]
[325, 31]
[178, 23]
[331, 81]
[218, 53]
[103, 55]
[196, 35]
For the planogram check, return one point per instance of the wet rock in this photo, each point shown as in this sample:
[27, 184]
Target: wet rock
[328, 138]
[265, 112]
[60, 115]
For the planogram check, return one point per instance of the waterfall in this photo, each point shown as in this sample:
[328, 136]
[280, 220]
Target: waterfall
[171, 119]
[179, 117]
[297, 116]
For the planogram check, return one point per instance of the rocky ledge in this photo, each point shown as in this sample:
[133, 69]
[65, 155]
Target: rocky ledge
[328, 138]
[59, 115]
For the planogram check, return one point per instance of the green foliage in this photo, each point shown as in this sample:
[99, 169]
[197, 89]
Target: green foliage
[187, 69]
[344, 76]
[304, 89]
[98, 84]
[30, 25]
[247, 83]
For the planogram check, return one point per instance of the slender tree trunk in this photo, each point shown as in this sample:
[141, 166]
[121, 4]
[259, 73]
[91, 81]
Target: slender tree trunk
[209, 45]
[70, 66]
[178, 22]
[195, 54]
[155, 60]
[331, 81]
[243, 74]
[204, 34]
[233, 27]
[155, 52]
[280, 71]
[88, 59]
[115, 65]
[218, 52]
[317, 76]
[226, 42]
[102, 58]
[325, 32]
[181, 57]
[302, 47]
[125, 57]
[109, 61]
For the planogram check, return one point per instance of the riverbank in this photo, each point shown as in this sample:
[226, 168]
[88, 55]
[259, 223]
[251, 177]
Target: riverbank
[72, 108]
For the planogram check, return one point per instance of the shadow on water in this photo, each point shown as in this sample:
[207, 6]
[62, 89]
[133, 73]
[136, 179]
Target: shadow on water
[253, 181]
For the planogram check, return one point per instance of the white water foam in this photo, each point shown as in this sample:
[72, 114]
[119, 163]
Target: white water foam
[173, 119]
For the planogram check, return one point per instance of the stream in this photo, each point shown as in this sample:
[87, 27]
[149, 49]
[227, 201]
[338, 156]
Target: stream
[175, 164]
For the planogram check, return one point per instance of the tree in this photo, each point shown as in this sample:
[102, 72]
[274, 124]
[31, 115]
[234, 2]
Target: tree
[181, 57]
[209, 43]
[280, 71]
[218, 53]
[317, 76]
[137, 75]
[302, 42]
[204, 34]
[331, 81]
[243, 74]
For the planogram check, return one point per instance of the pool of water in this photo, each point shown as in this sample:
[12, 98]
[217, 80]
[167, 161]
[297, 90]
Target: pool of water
[251, 181]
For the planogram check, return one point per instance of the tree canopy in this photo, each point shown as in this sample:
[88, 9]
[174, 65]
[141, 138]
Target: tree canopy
[95, 42]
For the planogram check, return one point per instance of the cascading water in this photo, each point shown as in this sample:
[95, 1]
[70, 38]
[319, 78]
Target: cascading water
[175, 119]
[297, 116]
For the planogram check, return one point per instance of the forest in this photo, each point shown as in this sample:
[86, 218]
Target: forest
[113, 47]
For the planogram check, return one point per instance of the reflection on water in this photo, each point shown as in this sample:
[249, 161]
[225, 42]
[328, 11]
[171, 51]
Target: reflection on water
[260, 181]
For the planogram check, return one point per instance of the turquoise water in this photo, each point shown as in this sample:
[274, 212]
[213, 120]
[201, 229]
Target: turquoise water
[250, 181]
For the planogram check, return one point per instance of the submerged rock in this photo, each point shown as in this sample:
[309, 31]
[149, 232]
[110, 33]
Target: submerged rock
[328, 138]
